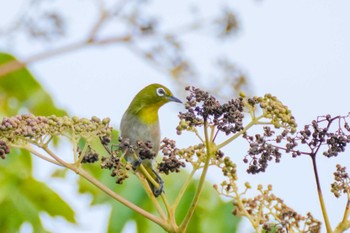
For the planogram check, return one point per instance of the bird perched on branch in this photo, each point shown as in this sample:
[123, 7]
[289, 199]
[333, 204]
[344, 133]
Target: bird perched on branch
[140, 125]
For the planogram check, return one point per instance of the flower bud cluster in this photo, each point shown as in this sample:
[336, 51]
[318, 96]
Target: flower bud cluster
[229, 169]
[341, 183]
[106, 139]
[29, 128]
[4, 149]
[196, 155]
[228, 118]
[279, 114]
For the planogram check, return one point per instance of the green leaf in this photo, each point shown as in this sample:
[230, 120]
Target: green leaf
[60, 173]
[20, 92]
[22, 197]
[209, 216]
[46, 199]
[212, 213]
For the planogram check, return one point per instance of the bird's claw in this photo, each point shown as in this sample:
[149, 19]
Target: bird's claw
[157, 191]
[136, 164]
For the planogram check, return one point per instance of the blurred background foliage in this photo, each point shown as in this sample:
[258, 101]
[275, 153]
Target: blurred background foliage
[209, 216]
[23, 198]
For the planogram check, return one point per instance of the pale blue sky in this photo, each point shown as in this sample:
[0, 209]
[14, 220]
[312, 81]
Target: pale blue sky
[297, 50]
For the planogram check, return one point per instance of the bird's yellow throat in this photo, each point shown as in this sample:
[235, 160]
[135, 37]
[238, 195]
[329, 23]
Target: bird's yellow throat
[149, 115]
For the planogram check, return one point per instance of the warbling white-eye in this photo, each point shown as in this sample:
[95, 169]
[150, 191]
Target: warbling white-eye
[140, 123]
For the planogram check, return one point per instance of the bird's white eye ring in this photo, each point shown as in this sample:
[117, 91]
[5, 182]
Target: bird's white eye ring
[160, 91]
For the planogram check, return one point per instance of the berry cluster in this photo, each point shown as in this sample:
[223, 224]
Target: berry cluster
[116, 163]
[205, 110]
[119, 169]
[144, 150]
[202, 107]
[330, 133]
[319, 133]
[171, 161]
[91, 156]
[260, 151]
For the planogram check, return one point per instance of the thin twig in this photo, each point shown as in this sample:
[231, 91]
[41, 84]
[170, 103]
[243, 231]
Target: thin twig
[36, 153]
[15, 65]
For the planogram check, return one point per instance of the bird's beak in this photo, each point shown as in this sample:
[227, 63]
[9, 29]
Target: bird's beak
[174, 99]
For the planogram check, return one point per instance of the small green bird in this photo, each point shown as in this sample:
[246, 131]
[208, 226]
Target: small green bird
[140, 123]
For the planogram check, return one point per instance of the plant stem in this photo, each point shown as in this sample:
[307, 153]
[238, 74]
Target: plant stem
[173, 227]
[183, 189]
[199, 136]
[345, 223]
[212, 133]
[82, 154]
[245, 213]
[195, 199]
[167, 206]
[320, 195]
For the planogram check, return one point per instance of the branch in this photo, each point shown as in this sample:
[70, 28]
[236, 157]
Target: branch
[107, 190]
[15, 65]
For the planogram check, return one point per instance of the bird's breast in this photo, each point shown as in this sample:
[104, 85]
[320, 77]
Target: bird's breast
[133, 128]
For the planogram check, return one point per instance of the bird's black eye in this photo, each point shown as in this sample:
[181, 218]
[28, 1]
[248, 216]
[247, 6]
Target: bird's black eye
[160, 91]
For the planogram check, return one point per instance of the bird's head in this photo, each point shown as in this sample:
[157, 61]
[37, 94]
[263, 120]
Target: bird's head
[151, 98]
